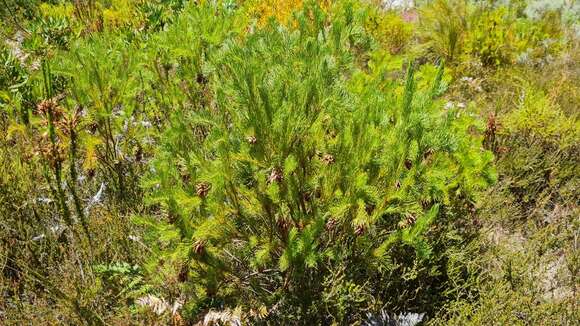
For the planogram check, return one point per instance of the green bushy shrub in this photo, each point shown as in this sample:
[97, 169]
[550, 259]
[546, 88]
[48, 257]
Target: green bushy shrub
[490, 38]
[287, 163]
[443, 26]
[499, 37]
[527, 256]
[542, 154]
[390, 30]
[300, 179]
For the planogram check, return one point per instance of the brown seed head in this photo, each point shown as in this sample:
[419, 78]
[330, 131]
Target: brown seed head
[252, 140]
[331, 224]
[183, 273]
[53, 153]
[202, 189]
[275, 175]
[199, 247]
[409, 220]
[398, 184]
[370, 208]
[45, 106]
[50, 106]
[283, 225]
[328, 159]
[68, 124]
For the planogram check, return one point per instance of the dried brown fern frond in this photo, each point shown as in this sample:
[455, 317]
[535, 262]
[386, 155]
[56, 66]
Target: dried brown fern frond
[159, 305]
[224, 317]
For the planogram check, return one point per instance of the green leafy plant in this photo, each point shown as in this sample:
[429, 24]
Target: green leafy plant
[444, 24]
[492, 37]
[498, 37]
[122, 281]
[390, 29]
[288, 162]
[303, 166]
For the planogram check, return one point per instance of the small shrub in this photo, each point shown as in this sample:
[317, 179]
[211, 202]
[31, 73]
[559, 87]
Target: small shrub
[491, 37]
[60, 10]
[282, 11]
[498, 37]
[390, 30]
[121, 14]
[444, 24]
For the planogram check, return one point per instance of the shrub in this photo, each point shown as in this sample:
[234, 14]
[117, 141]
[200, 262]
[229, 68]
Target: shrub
[280, 10]
[390, 30]
[444, 24]
[527, 256]
[491, 38]
[302, 179]
[498, 37]
[160, 13]
[542, 144]
[60, 10]
[121, 13]
[287, 162]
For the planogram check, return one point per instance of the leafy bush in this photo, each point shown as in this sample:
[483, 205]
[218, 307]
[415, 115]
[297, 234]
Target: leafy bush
[529, 273]
[444, 24]
[390, 29]
[526, 256]
[160, 13]
[60, 10]
[51, 31]
[498, 37]
[14, 9]
[491, 37]
[121, 13]
[545, 172]
[303, 178]
[264, 10]
[288, 162]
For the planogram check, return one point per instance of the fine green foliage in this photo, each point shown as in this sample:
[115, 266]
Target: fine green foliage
[390, 30]
[497, 37]
[532, 269]
[302, 166]
[336, 162]
[444, 24]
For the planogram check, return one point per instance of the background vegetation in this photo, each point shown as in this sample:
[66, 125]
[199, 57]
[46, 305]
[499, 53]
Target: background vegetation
[289, 162]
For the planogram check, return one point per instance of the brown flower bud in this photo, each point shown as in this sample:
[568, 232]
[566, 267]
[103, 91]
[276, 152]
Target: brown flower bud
[275, 175]
[409, 220]
[50, 107]
[202, 189]
[252, 140]
[183, 273]
[328, 159]
[331, 224]
[201, 79]
[283, 225]
[398, 184]
[45, 106]
[199, 247]
[369, 208]
[359, 230]
[68, 124]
